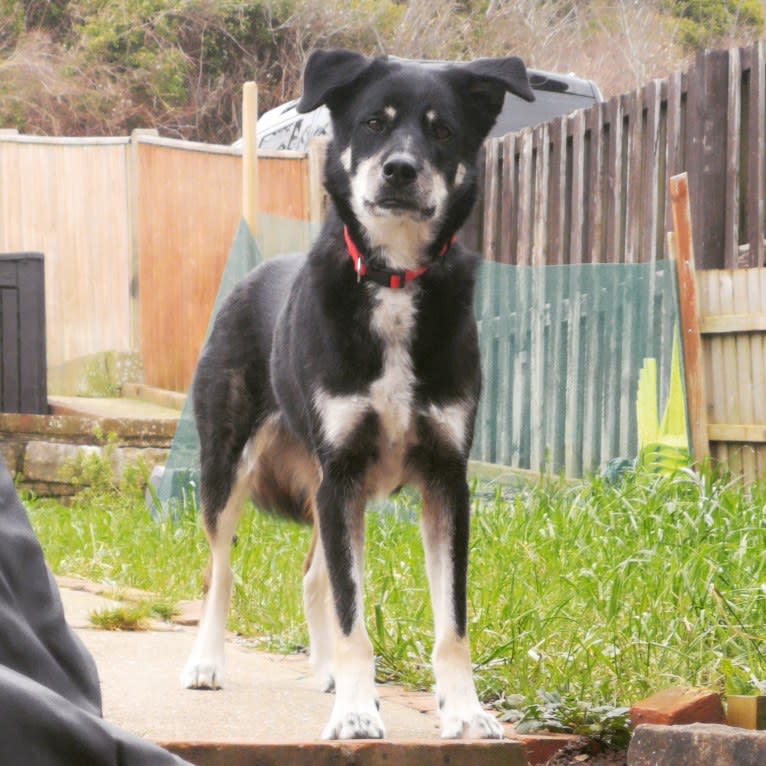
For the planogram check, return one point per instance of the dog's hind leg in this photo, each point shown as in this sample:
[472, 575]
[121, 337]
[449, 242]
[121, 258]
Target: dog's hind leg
[317, 606]
[204, 668]
[444, 527]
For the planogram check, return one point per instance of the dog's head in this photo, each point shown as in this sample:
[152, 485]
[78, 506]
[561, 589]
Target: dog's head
[401, 168]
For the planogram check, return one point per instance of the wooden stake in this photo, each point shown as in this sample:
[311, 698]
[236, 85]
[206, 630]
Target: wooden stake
[250, 155]
[691, 342]
[317, 201]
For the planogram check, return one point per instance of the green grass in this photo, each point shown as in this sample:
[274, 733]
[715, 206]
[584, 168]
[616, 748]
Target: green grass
[595, 591]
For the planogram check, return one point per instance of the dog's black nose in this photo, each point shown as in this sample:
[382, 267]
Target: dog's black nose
[400, 171]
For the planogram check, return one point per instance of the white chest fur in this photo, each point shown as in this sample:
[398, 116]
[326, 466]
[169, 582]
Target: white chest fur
[393, 320]
[390, 395]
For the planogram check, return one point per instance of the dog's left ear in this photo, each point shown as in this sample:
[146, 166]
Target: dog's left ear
[489, 79]
[327, 74]
[509, 72]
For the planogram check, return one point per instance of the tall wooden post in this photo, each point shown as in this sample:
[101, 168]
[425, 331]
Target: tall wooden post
[250, 155]
[691, 341]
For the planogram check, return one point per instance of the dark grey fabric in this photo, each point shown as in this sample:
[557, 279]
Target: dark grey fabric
[50, 701]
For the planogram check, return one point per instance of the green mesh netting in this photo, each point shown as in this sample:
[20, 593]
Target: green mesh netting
[179, 485]
[562, 350]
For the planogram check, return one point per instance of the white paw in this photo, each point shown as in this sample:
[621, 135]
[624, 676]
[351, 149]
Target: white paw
[202, 674]
[476, 724]
[354, 726]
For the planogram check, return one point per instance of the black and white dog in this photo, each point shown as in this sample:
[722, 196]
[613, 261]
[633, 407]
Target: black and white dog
[344, 374]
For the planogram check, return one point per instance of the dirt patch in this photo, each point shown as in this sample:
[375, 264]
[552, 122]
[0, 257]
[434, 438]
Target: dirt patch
[586, 752]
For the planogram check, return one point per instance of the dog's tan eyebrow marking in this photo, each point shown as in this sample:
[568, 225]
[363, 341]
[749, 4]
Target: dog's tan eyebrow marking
[390, 112]
[431, 115]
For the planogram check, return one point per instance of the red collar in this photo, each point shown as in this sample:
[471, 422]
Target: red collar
[386, 277]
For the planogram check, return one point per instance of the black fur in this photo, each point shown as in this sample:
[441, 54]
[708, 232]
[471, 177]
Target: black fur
[297, 325]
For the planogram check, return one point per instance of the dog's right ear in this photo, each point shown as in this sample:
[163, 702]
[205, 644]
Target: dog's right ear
[327, 74]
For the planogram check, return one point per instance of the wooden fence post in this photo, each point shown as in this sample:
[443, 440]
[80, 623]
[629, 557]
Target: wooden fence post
[707, 133]
[317, 201]
[691, 343]
[250, 155]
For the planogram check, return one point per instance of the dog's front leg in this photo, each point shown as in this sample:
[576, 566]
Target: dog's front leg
[341, 525]
[444, 526]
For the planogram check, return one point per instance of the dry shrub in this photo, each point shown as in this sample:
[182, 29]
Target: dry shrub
[95, 68]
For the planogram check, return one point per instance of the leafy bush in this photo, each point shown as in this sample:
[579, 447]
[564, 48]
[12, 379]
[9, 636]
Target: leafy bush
[707, 22]
[93, 67]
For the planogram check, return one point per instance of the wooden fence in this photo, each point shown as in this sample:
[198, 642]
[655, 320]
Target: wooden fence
[188, 207]
[591, 187]
[732, 306]
[68, 199]
[135, 233]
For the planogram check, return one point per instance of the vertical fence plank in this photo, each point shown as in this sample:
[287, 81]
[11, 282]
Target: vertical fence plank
[526, 197]
[572, 452]
[539, 216]
[555, 382]
[491, 200]
[742, 371]
[506, 360]
[707, 132]
[731, 206]
[537, 412]
[614, 165]
[653, 184]
[595, 127]
[719, 410]
[634, 192]
[591, 358]
[508, 215]
[674, 159]
[558, 169]
[520, 366]
[756, 159]
[758, 292]
[577, 126]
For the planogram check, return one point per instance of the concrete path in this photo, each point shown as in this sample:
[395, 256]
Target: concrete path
[268, 701]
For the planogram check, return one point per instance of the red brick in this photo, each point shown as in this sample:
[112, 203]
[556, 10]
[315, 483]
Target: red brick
[679, 705]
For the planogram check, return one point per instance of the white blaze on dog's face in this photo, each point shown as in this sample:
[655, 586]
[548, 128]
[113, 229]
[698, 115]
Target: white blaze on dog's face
[402, 163]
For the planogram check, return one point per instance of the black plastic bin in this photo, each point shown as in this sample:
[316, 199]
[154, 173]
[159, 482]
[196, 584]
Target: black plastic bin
[23, 366]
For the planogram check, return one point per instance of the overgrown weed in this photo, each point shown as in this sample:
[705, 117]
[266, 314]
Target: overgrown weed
[591, 590]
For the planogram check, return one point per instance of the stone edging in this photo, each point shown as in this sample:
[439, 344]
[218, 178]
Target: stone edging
[37, 447]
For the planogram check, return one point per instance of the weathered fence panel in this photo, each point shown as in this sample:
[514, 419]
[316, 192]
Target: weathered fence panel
[592, 187]
[188, 207]
[733, 327]
[189, 202]
[66, 198]
[135, 233]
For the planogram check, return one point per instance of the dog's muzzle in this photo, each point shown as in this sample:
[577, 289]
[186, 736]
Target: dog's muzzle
[402, 188]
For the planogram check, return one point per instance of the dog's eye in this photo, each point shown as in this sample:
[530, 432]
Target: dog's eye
[441, 131]
[376, 124]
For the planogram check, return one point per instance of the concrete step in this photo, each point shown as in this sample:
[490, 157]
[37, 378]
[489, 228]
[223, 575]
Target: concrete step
[270, 711]
[118, 408]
